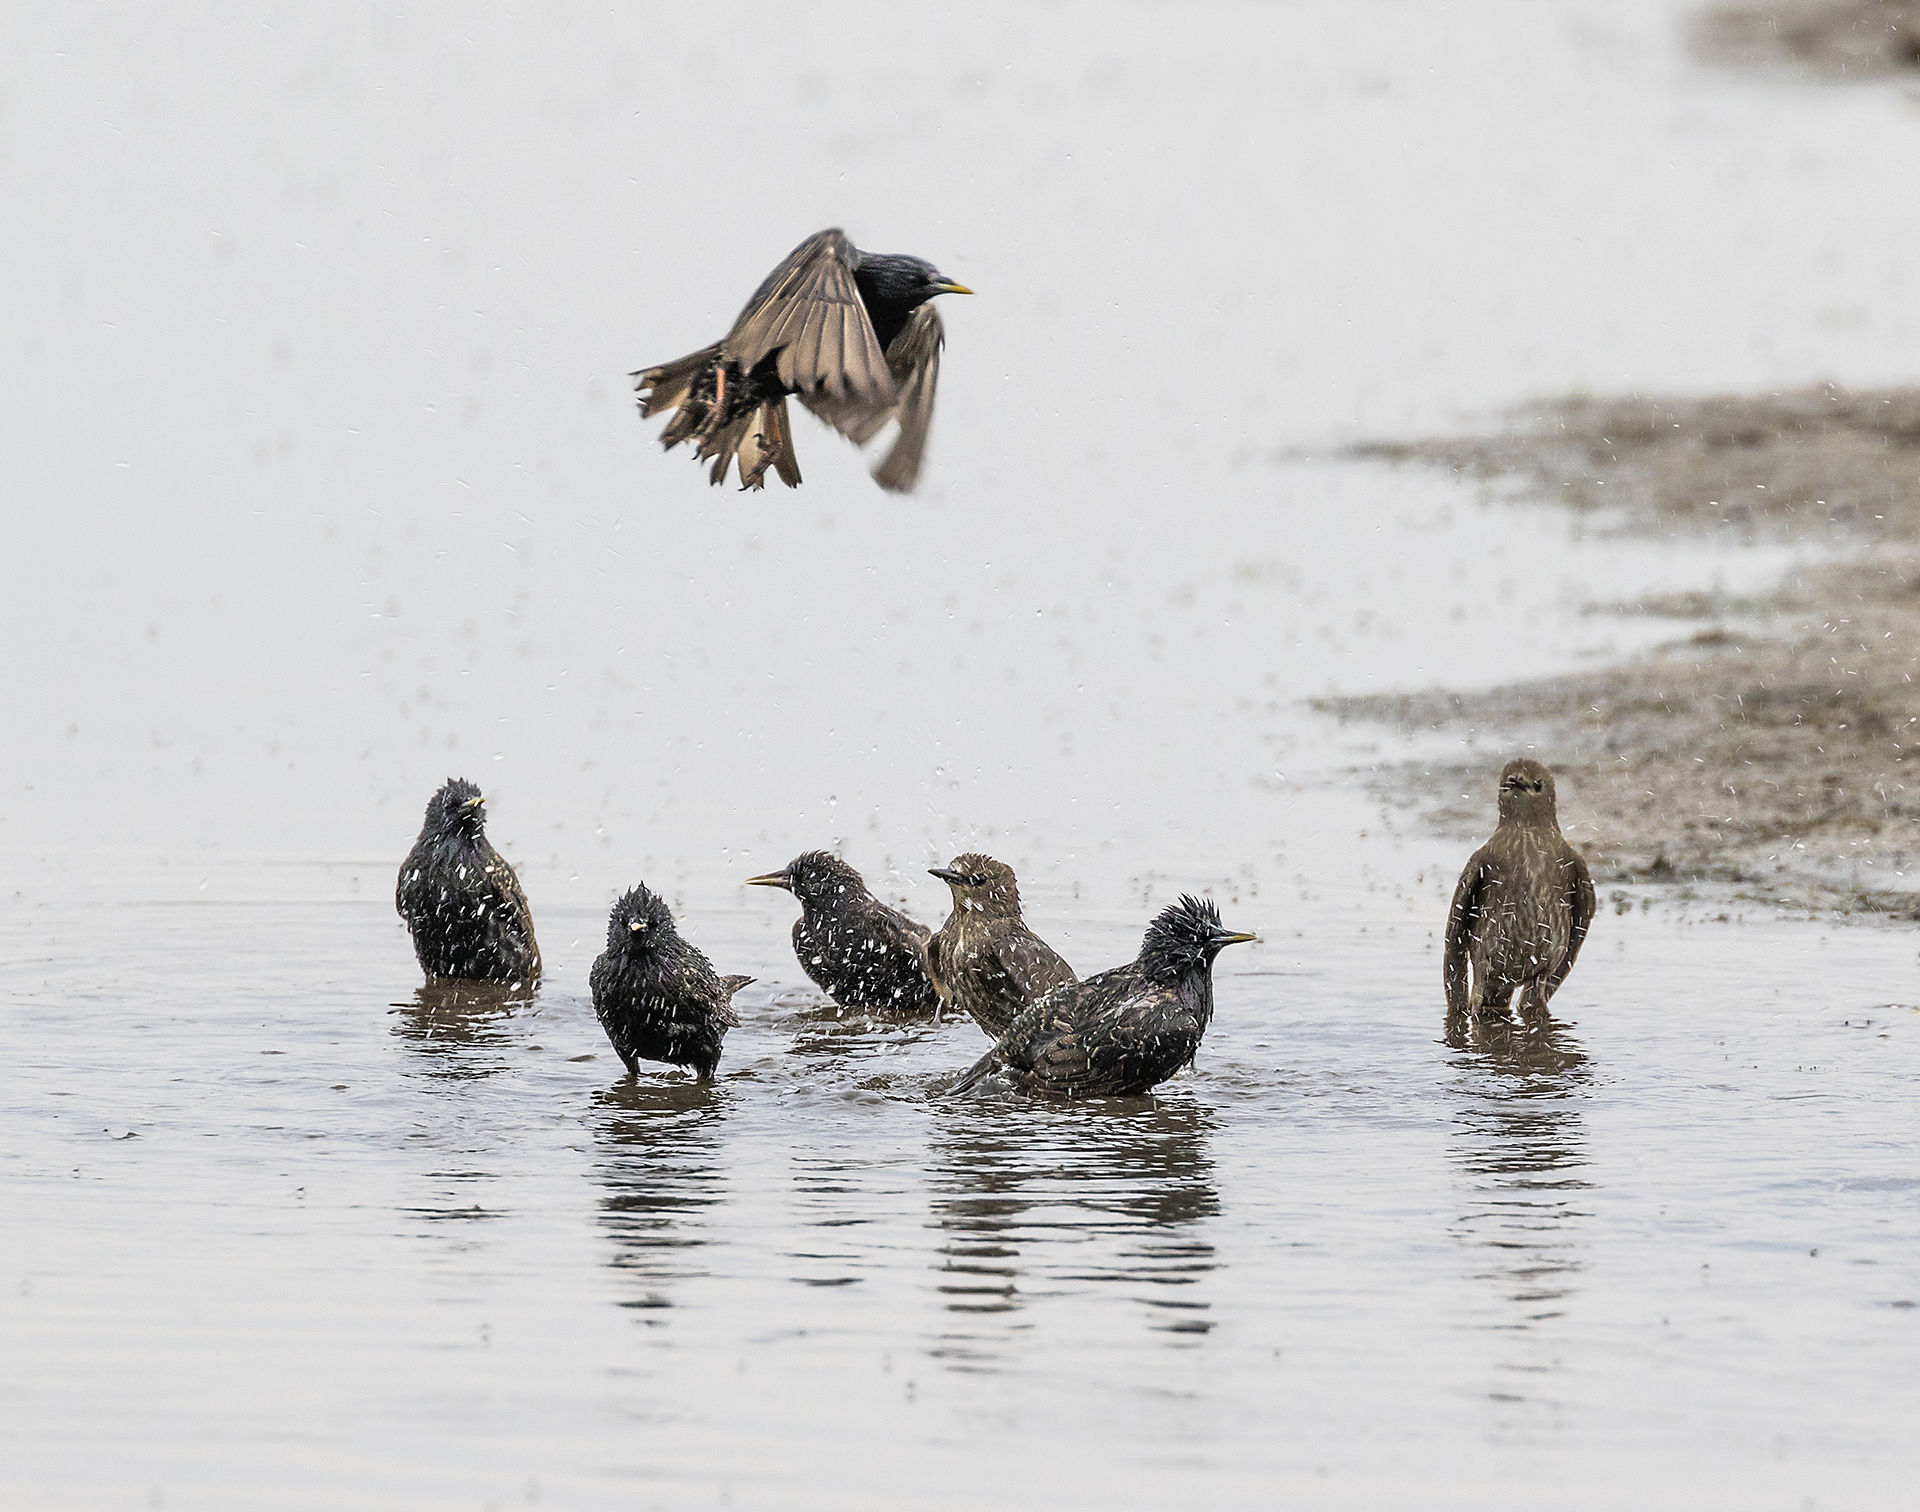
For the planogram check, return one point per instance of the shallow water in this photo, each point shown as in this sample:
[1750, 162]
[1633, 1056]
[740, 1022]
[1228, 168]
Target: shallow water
[317, 332]
[277, 1222]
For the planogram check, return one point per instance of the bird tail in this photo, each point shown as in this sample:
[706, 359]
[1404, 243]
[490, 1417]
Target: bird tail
[755, 439]
[728, 1014]
[766, 441]
[977, 1073]
[671, 386]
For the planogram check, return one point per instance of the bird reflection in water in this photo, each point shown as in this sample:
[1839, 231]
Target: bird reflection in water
[657, 1148]
[1520, 1148]
[1105, 1200]
[462, 1027]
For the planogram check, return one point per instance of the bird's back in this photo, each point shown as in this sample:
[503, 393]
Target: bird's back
[1114, 1035]
[994, 968]
[865, 955]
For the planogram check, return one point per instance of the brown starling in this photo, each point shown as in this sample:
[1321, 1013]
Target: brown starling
[985, 959]
[1124, 1031]
[858, 951]
[849, 333]
[462, 903]
[1523, 906]
[658, 997]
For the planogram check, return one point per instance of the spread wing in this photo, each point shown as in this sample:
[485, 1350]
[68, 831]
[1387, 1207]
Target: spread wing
[1582, 900]
[913, 365]
[914, 362]
[809, 311]
[1461, 918]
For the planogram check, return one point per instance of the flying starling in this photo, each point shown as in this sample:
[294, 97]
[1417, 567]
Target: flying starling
[858, 951]
[1124, 1031]
[462, 903]
[849, 333]
[1521, 911]
[658, 997]
[984, 958]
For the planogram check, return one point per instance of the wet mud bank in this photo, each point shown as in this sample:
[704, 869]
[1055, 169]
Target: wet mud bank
[1770, 748]
[1826, 40]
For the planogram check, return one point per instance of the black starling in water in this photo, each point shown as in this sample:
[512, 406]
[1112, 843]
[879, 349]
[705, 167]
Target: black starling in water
[858, 951]
[849, 333]
[1523, 906]
[462, 903]
[1124, 1031]
[985, 959]
[658, 997]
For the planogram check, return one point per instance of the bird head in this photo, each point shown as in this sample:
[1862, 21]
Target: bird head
[906, 281]
[981, 885]
[1184, 938]
[1526, 791]
[815, 877]
[457, 809]
[639, 922]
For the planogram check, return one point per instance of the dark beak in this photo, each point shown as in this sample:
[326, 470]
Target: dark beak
[1236, 939]
[772, 879]
[948, 875]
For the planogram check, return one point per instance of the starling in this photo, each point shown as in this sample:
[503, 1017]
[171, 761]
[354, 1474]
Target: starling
[1124, 1031]
[850, 333]
[1521, 911]
[462, 903]
[985, 958]
[658, 997]
[858, 951]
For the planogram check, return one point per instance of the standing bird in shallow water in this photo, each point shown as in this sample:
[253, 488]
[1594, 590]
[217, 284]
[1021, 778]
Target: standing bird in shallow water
[858, 951]
[849, 333]
[1124, 1031]
[658, 997]
[984, 958]
[1523, 906]
[462, 903]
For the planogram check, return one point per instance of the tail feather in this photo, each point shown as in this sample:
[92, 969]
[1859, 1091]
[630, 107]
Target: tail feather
[671, 384]
[785, 462]
[978, 1072]
[726, 1012]
[751, 438]
[723, 446]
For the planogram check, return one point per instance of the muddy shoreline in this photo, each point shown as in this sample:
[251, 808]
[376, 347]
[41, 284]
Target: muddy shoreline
[1769, 749]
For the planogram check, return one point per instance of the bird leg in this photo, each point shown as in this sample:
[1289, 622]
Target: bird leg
[716, 409]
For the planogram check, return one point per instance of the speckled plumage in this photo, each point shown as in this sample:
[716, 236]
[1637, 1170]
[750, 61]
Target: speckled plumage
[463, 905]
[657, 996]
[1523, 906]
[984, 959]
[861, 953]
[1124, 1031]
[849, 333]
